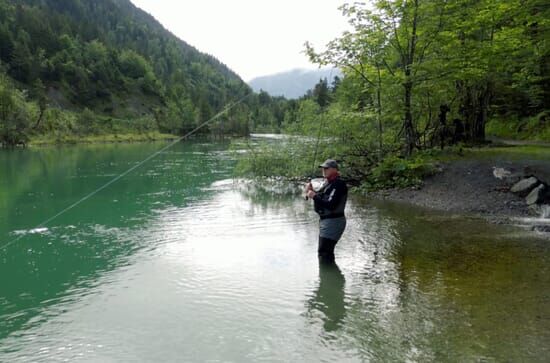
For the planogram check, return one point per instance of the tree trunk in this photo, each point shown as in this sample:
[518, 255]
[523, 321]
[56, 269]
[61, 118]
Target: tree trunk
[410, 139]
[474, 109]
[443, 129]
[37, 124]
[482, 112]
[410, 134]
[379, 111]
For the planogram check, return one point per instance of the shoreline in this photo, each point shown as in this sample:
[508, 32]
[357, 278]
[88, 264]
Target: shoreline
[52, 140]
[468, 186]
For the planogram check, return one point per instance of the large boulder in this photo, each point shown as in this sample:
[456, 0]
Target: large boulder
[525, 186]
[537, 195]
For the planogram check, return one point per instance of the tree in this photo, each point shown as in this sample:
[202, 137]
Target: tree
[321, 93]
[6, 44]
[14, 115]
[362, 52]
[21, 62]
[133, 65]
[39, 93]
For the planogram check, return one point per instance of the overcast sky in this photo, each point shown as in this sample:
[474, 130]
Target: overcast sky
[252, 37]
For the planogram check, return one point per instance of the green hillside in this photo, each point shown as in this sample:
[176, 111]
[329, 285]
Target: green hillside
[72, 67]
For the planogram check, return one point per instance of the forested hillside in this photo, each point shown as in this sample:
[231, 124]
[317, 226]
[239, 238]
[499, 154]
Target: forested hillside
[85, 67]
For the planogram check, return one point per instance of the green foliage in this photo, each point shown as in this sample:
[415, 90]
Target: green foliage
[408, 60]
[133, 65]
[86, 122]
[15, 115]
[421, 75]
[396, 172]
[536, 128]
[281, 158]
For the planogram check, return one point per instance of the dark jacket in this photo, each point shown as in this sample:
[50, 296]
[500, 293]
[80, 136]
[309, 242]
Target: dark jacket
[330, 202]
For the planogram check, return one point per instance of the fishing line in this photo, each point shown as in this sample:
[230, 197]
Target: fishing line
[314, 167]
[321, 126]
[120, 176]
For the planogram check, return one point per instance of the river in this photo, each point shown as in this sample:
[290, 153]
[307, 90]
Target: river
[178, 262]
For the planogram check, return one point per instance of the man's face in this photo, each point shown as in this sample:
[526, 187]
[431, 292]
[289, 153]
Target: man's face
[328, 172]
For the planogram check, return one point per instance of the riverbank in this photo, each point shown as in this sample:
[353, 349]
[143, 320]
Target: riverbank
[468, 185]
[456, 180]
[44, 140]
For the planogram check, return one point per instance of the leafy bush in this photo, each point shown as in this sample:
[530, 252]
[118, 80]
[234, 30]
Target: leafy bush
[86, 122]
[285, 158]
[535, 128]
[396, 172]
[15, 115]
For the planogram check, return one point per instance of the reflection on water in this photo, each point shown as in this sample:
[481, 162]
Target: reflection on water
[177, 263]
[328, 299]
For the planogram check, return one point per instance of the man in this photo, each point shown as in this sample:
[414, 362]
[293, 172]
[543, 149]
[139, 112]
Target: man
[329, 203]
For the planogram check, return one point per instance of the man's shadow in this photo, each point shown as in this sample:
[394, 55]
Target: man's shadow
[329, 296]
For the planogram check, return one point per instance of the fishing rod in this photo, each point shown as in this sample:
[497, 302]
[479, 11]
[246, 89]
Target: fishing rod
[314, 166]
[120, 176]
[321, 127]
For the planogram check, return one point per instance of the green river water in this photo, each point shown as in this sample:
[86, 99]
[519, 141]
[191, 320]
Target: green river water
[177, 262]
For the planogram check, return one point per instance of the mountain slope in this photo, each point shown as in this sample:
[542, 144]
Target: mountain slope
[294, 83]
[112, 58]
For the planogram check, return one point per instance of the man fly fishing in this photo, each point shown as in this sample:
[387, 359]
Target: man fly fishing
[329, 202]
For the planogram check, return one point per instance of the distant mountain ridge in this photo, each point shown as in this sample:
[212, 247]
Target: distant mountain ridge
[294, 83]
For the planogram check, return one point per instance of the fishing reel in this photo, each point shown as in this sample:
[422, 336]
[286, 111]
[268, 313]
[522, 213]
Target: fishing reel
[317, 184]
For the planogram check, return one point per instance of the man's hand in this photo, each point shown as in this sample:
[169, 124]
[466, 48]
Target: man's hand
[309, 187]
[311, 194]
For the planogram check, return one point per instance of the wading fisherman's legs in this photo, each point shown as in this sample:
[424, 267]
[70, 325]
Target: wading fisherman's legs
[325, 250]
[330, 231]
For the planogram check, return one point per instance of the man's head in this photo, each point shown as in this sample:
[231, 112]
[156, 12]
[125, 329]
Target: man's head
[330, 168]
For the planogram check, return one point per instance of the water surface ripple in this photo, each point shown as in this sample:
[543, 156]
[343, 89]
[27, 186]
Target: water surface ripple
[179, 263]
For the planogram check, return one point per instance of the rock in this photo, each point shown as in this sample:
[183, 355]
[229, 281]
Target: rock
[543, 229]
[501, 173]
[525, 186]
[537, 195]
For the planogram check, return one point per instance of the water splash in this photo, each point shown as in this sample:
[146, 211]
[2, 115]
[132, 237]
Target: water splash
[31, 231]
[545, 211]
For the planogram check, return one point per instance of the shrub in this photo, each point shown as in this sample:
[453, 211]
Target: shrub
[396, 172]
[15, 116]
[86, 122]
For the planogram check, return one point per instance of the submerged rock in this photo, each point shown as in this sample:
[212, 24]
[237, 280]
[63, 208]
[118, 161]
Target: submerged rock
[537, 195]
[525, 186]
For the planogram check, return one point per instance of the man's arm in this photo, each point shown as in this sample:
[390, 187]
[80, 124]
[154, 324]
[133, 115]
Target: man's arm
[332, 200]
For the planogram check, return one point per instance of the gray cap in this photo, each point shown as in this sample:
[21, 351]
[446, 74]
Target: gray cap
[330, 163]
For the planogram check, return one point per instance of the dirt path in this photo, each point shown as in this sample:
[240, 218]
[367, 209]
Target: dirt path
[507, 142]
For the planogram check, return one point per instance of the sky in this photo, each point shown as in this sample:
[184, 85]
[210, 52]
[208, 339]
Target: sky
[253, 38]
